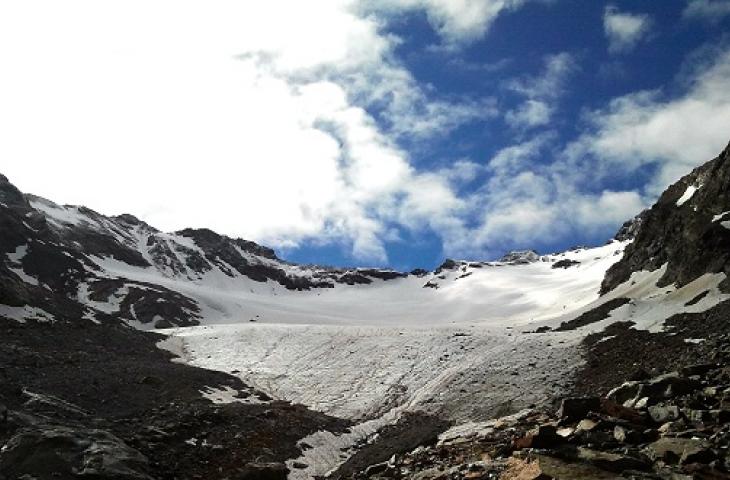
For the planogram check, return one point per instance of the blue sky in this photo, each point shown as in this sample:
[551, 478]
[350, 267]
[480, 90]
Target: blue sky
[515, 47]
[386, 132]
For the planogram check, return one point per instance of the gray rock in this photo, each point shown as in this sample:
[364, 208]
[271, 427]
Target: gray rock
[46, 451]
[664, 413]
[555, 468]
[680, 450]
[611, 461]
[577, 408]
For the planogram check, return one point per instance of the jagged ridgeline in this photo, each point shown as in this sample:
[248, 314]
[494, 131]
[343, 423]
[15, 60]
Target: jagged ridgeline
[686, 230]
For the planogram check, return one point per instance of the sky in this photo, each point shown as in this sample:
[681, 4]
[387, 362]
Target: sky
[351, 132]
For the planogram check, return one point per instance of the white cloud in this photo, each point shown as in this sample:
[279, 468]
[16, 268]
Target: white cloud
[456, 21]
[674, 135]
[708, 10]
[624, 30]
[549, 83]
[249, 118]
[256, 120]
[541, 91]
[528, 201]
[531, 113]
[539, 191]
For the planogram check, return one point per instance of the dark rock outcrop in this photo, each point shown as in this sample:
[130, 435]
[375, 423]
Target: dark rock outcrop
[520, 257]
[684, 229]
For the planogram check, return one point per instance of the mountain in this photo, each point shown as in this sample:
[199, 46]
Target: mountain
[57, 254]
[133, 353]
[63, 263]
[687, 229]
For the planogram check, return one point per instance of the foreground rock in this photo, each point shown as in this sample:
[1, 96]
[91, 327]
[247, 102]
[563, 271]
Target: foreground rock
[674, 426]
[108, 404]
[56, 451]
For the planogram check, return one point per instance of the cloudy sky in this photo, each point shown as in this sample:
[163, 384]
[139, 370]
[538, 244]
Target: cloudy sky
[390, 132]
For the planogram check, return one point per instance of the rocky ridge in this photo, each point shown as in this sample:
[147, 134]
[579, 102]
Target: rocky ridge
[53, 255]
[685, 229]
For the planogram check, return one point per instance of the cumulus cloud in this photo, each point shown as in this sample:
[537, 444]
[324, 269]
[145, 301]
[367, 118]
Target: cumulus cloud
[624, 30]
[531, 113]
[541, 92]
[254, 119]
[528, 202]
[286, 128]
[539, 190]
[707, 10]
[456, 21]
[549, 83]
[673, 134]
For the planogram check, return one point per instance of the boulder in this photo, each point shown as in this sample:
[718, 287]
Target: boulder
[554, 468]
[680, 450]
[627, 435]
[707, 416]
[611, 461]
[544, 436]
[587, 424]
[573, 409]
[615, 410]
[663, 413]
[659, 388]
[51, 451]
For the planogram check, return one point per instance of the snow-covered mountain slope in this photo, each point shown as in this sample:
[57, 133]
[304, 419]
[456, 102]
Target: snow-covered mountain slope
[121, 267]
[465, 342]
[462, 292]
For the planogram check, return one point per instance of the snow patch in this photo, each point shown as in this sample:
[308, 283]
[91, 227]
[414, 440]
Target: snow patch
[687, 195]
[26, 312]
[17, 256]
[494, 295]
[16, 260]
[24, 276]
[58, 215]
[718, 217]
[327, 449]
[650, 306]
[110, 306]
[227, 394]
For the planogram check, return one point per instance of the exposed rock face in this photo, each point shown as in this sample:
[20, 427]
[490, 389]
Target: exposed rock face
[50, 257]
[520, 257]
[51, 451]
[630, 228]
[687, 229]
[565, 263]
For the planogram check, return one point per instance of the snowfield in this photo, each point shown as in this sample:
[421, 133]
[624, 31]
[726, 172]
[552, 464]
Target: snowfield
[491, 293]
[463, 351]
[460, 343]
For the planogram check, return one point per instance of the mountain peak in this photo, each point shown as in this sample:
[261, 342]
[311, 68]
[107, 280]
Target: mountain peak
[684, 229]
